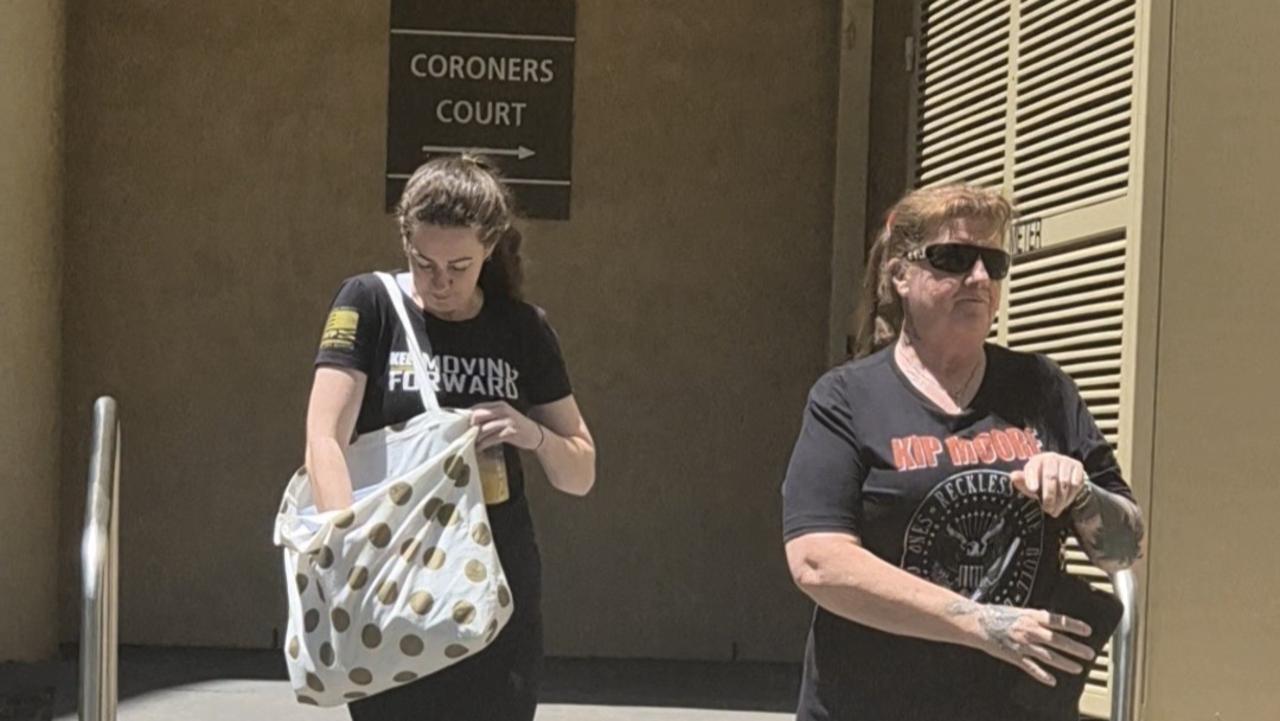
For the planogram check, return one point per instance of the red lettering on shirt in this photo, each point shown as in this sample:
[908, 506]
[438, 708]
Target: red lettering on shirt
[1004, 446]
[929, 447]
[961, 451]
[982, 444]
[902, 454]
[913, 452]
[1021, 444]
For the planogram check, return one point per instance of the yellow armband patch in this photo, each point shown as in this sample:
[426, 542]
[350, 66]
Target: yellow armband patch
[340, 329]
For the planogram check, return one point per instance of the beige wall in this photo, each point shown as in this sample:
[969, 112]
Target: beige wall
[30, 174]
[1214, 600]
[225, 174]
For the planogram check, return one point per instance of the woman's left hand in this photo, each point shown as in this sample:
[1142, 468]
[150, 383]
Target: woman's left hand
[500, 423]
[1051, 478]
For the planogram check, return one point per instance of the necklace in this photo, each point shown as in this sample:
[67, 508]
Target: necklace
[925, 381]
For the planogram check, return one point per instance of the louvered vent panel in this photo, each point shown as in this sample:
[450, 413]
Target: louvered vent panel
[1038, 97]
[1074, 108]
[963, 90]
[1067, 301]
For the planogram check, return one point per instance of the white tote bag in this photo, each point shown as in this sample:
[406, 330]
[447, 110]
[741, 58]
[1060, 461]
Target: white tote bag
[405, 582]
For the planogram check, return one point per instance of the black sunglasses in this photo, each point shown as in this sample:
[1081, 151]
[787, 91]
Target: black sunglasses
[959, 258]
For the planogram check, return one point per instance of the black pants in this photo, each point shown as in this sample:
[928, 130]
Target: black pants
[500, 683]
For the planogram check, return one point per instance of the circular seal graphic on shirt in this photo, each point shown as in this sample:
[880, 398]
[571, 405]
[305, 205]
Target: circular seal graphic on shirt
[976, 535]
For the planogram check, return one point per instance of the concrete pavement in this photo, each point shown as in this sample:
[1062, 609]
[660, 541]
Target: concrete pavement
[226, 685]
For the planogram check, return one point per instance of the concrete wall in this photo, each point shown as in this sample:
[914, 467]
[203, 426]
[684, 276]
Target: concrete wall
[850, 183]
[1214, 597]
[891, 117]
[226, 173]
[31, 51]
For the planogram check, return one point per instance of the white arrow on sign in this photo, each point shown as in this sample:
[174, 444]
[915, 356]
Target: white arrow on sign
[521, 152]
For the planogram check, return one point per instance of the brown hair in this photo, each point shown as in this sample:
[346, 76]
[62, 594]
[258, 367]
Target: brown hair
[912, 222]
[466, 191]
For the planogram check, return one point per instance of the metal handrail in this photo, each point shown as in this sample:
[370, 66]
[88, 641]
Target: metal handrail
[1124, 666]
[99, 572]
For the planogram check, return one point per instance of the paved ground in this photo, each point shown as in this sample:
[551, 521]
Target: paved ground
[221, 685]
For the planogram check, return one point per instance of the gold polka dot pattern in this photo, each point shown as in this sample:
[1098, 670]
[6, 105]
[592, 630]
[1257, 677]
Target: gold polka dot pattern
[388, 592]
[341, 620]
[434, 558]
[454, 467]
[345, 519]
[463, 477]
[380, 535]
[409, 550]
[400, 493]
[411, 645]
[371, 636]
[421, 603]
[405, 582]
[448, 515]
[464, 613]
[431, 508]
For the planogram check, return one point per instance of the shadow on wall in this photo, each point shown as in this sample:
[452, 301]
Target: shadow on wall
[27, 691]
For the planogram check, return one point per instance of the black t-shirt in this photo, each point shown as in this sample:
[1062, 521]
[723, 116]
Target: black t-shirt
[930, 493]
[508, 352]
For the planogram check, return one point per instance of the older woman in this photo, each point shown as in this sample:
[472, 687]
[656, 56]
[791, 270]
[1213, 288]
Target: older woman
[933, 483]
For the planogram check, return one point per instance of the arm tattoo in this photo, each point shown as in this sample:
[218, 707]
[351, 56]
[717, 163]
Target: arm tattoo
[1110, 529]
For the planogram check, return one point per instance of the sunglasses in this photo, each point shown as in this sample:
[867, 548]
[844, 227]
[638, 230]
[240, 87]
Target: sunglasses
[959, 258]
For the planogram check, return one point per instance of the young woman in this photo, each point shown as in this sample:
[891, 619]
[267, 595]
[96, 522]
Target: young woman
[490, 352]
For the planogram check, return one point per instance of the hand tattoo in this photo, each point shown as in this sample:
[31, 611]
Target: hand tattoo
[996, 621]
[1110, 529]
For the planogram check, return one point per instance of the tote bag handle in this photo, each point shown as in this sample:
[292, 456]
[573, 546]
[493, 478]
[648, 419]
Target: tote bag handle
[418, 358]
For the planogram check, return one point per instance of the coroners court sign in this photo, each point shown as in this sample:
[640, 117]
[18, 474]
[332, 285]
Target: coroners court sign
[488, 76]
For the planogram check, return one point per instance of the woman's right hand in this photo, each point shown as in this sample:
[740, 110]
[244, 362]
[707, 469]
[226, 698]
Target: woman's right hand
[1029, 638]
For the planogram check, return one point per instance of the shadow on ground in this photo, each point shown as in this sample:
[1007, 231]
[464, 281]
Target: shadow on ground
[27, 691]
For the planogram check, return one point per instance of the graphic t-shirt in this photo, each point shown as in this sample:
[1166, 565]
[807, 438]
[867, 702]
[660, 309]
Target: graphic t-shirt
[508, 352]
[930, 493]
